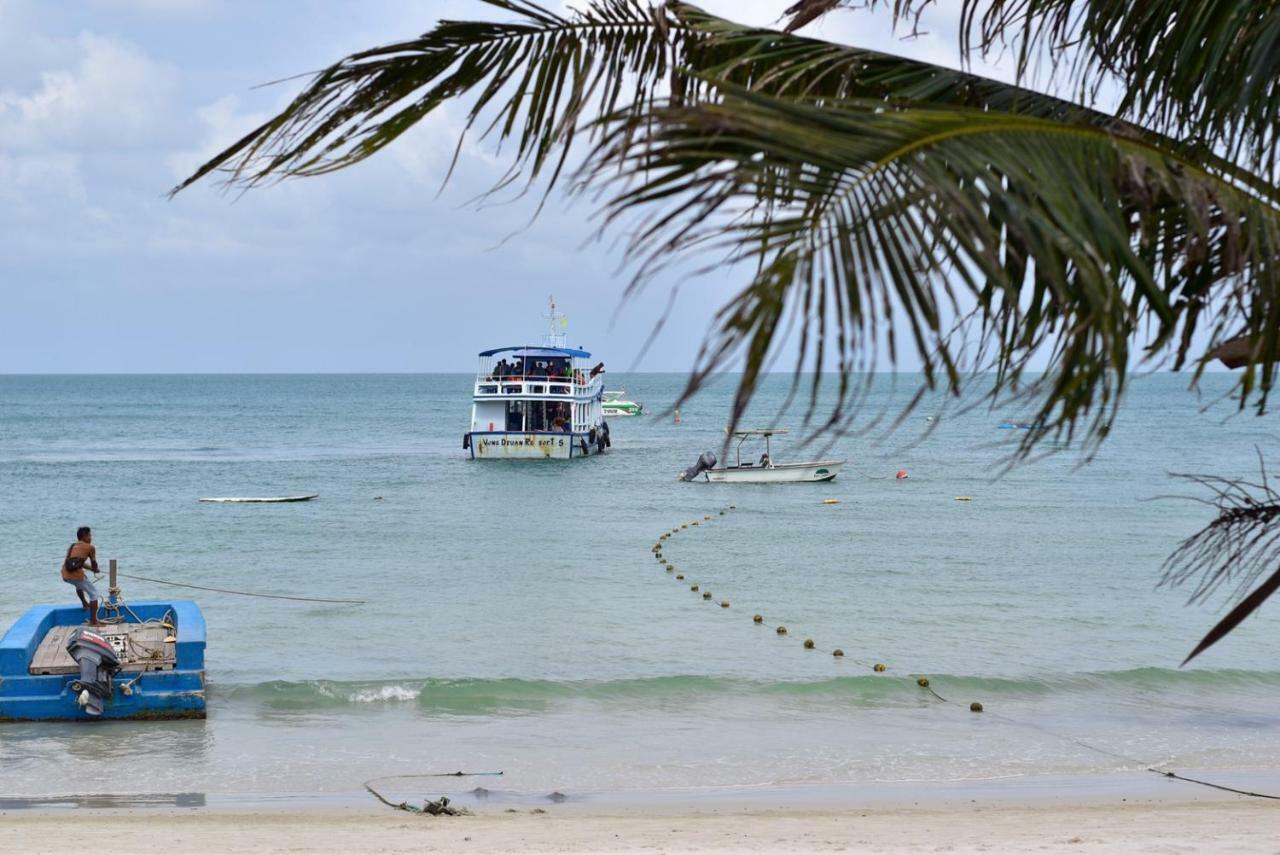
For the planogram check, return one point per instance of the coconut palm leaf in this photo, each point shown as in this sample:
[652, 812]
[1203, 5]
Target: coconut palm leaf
[1195, 69]
[1240, 545]
[1076, 244]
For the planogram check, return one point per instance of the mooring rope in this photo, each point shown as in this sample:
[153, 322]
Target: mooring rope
[923, 681]
[240, 593]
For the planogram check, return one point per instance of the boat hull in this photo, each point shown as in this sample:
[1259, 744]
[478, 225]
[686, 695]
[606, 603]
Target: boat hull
[781, 473]
[178, 692]
[551, 445]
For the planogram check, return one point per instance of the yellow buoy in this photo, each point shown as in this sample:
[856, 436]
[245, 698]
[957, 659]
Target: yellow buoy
[830, 501]
[706, 595]
[693, 587]
[837, 652]
[975, 707]
[724, 604]
[707, 517]
[879, 668]
[923, 682]
[758, 619]
[695, 522]
[680, 576]
[684, 525]
[808, 644]
[671, 566]
[733, 507]
[782, 630]
[964, 498]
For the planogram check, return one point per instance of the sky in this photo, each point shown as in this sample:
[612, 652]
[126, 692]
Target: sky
[106, 104]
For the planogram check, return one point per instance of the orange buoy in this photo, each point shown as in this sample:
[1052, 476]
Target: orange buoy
[901, 475]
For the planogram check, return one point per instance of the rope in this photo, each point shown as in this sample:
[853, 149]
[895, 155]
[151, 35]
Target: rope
[924, 683]
[240, 593]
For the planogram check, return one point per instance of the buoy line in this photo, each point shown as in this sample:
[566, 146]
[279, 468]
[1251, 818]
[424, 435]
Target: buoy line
[922, 680]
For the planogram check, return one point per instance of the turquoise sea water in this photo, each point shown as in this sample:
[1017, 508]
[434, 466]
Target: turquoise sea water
[516, 619]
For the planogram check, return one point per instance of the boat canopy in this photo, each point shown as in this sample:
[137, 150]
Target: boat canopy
[535, 352]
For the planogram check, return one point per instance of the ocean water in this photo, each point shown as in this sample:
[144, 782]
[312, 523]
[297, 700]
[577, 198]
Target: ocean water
[516, 619]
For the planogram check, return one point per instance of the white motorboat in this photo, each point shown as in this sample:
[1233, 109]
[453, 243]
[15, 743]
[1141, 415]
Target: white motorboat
[763, 471]
[537, 403]
[615, 405]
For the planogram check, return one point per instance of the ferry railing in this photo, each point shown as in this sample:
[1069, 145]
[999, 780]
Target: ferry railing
[534, 384]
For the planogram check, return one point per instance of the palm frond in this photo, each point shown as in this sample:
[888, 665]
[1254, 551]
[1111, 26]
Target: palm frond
[1077, 244]
[1238, 546]
[1196, 69]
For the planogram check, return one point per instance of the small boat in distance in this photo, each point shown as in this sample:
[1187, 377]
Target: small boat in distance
[614, 405]
[538, 403]
[259, 499]
[764, 471]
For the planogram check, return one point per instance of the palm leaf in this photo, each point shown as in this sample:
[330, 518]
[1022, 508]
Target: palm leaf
[900, 217]
[1240, 545]
[1207, 70]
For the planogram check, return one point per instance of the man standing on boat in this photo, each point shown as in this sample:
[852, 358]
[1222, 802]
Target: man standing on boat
[79, 554]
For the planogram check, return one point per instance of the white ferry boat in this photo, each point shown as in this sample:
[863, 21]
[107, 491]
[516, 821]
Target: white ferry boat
[537, 403]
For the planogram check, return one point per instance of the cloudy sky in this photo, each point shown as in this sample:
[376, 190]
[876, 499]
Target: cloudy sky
[105, 104]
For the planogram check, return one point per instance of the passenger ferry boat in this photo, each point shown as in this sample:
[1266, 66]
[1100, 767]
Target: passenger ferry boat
[538, 403]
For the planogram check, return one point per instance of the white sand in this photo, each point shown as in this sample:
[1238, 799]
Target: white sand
[1198, 824]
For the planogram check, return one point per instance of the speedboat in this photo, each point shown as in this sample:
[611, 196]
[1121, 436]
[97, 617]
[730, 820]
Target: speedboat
[538, 403]
[146, 661]
[763, 471]
[614, 405]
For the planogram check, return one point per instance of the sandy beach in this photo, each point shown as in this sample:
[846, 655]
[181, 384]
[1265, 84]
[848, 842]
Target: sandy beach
[1200, 824]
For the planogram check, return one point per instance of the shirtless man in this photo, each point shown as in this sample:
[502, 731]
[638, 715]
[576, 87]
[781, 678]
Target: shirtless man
[81, 553]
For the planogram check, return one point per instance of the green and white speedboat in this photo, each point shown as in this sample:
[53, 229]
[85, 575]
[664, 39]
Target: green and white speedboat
[614, 405]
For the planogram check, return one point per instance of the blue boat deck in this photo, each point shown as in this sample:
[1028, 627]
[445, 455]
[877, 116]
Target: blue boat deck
[162, 664]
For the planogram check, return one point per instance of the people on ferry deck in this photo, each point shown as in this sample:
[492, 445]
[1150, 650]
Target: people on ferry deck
[80, 554]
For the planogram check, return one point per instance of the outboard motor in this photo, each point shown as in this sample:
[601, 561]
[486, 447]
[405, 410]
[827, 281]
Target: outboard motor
[98, 664]
[706, 460]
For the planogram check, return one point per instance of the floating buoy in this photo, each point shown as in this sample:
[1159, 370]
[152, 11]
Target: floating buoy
[707, 517]
[837, 652]
[808, 644]
[879, 668]
[782, 630]
[706, 595]
[670, 568]
[693, 587]
[964, 498]
[975, 707]
[830, 501]
[680, 576]
[733, 507]
[757, 619]
[724, 604]
[901, 475]
[923, 682]
[722, 513]
[684, 525]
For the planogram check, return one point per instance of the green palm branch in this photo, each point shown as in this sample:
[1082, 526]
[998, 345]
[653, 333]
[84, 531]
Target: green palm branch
[973, 224]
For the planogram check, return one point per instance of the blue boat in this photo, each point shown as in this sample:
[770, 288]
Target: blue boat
[155, 663]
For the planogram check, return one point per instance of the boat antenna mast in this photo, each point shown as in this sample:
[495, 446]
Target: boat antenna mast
[557, 325]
